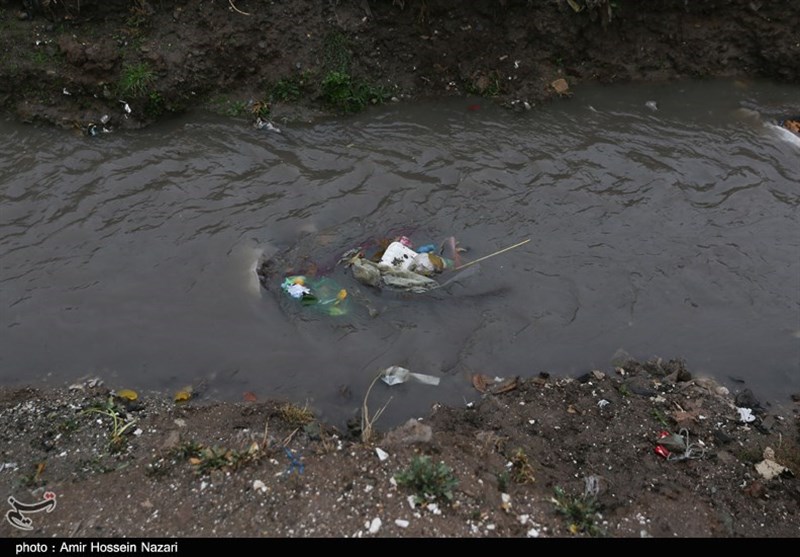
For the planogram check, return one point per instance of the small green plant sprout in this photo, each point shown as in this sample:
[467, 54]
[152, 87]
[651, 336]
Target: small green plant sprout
[347, 94]
[208, 458]
[119, 425]
[336, 52]
[503, 479]
[623, 390]
[485, 85]
[136, 80]
[429, 481]
[581, 512]
[287, 89]
[660, 417]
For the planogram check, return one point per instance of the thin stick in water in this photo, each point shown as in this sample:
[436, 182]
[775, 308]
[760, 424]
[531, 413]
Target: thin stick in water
[485, 257]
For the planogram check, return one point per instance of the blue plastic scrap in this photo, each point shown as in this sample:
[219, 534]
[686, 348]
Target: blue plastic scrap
[294, 464]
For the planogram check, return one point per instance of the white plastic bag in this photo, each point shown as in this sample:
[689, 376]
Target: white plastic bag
[394, 375]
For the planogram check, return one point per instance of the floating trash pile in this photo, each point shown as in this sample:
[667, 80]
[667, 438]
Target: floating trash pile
[393, 264]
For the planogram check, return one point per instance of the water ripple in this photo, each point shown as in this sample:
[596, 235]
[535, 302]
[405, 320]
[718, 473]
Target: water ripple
[669, 232]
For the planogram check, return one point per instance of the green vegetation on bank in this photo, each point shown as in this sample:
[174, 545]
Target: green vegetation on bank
[428, 480]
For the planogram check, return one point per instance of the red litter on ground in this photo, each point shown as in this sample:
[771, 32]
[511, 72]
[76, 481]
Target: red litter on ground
[661, 450]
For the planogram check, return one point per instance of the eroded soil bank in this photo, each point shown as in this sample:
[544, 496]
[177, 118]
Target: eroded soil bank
[546, 458]
[71, 62]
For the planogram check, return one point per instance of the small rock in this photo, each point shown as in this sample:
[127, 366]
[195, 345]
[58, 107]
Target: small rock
[561, 86]
[722, 438]
[401, 523]
[410, 432]
[747, 399]
[640, 386]
[375, 525]
[382, 455]
[726, 458]
[652, 105]
[172, 440]
[258, 485]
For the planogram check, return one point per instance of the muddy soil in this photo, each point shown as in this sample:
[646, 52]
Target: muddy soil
[548, 457]
[543, 457]
[126, 63]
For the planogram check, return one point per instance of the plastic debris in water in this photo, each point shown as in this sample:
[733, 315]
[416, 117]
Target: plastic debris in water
[295, 287]
[184, 394]
[399, 255]
[394, 375]
[262, 124]
[324, 293]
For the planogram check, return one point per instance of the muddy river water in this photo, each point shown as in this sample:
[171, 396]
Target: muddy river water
[663, 222]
